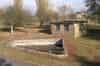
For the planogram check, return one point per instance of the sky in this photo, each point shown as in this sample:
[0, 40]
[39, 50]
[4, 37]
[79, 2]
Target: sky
[77, 5]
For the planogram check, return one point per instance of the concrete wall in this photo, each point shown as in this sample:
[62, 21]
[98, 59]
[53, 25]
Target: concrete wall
[55, 29]
[75, 28]
[77, 31]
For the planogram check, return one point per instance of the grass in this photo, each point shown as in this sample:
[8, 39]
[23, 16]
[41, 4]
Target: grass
[84, 47]
[96, 27]
[33, 58]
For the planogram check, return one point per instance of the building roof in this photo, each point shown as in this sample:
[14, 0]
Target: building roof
[70, 21]
[76, 20]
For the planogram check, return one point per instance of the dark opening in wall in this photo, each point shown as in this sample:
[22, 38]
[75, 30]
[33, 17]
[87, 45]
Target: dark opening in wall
[60, 43]
[57, 27]
[66, 27]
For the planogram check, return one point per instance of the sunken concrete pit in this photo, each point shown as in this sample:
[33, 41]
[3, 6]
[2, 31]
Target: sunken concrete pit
[51, 45]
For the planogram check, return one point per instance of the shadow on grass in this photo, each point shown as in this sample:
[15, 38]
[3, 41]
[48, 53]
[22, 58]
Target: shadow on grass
[87, 62]
[9, 30]
[93, 34]
[46, 29]
[5, 30]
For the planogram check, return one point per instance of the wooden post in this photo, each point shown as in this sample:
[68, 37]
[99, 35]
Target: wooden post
[76, 30]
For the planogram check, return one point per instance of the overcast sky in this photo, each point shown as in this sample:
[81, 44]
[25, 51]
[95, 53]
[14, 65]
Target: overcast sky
[30, 4]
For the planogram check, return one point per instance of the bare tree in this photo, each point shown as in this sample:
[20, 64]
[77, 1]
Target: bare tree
[66, 12]
[42, 11]
[18, 3]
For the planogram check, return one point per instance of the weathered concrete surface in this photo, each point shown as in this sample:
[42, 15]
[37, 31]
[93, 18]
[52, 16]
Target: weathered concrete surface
[34, 42]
